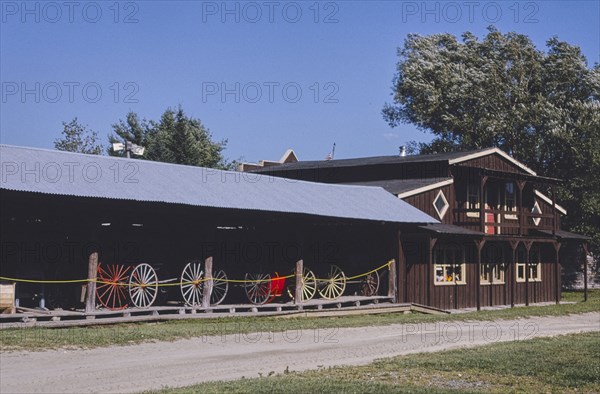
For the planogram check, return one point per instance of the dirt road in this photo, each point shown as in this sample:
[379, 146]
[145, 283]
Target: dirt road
[185, 362]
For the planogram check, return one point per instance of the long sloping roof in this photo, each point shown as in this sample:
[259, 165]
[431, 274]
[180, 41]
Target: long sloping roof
[449, 158]
[72, 174]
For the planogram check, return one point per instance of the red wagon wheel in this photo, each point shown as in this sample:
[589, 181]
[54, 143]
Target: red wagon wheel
[112, 287]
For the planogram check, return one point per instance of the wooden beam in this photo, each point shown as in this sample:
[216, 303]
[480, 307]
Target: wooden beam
[90, 297]
[482, 202]
[479, 245]
[299, 281]
[557, 246]
[528, 245]
[521, 207]
[208, 284]
[554, 221]
[430, 278]
[514, 245]
[402, 272]
[392, 281]
[585, 272]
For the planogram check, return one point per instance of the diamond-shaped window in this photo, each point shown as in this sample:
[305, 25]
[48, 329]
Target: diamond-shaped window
[537, 210]
[441, 204]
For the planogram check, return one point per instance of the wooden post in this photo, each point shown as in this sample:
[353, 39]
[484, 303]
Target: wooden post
[430, 275]
[514, 245]
[482, 203]
[585, 272]
[479, 245]
[528, 245]
[299, 281]
[90, 298]
[557, 246]
[208, 282]
[392, 280]
[521, 209]
[554, 221]
[401, 273]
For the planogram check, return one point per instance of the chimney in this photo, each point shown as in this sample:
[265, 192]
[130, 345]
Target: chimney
[403, 151]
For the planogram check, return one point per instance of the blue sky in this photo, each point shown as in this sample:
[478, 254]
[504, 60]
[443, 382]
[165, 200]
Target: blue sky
[266, 75]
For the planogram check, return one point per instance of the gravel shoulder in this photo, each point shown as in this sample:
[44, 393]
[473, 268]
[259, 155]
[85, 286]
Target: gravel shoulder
[186, 362]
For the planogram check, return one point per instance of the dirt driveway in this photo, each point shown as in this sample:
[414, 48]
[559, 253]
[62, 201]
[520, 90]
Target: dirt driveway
[186, 362]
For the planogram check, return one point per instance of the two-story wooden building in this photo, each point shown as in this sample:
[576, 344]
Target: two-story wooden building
[499, 241]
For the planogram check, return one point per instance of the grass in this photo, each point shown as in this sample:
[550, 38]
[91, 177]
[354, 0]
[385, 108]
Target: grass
[125, 334]
[569, 363]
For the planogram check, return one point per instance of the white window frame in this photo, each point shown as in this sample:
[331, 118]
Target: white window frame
[533, 265]
[470, 187]
[497, 271]
[514, 208]
[446, 207]
[448, 269]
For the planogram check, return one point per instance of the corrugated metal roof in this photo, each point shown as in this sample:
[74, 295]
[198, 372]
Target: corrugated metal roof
[71, 174]
[565, 235]
[398, 186]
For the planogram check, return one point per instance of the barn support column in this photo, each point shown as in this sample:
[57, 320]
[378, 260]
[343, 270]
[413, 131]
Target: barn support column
[430, 278]
[208, 284]
[585, 272]
[528, 245]
[299, 282]
[514, 245]
[90, 296]
[557, 246]
[401, 282]
[479, 245]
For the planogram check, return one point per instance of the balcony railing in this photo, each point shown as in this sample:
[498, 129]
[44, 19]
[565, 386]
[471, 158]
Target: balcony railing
[497, 220]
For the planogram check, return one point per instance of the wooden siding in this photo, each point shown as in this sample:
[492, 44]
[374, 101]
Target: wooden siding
[493, 162]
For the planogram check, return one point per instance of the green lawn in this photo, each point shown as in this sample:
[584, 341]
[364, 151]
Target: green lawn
[123, 334]
[568, 363]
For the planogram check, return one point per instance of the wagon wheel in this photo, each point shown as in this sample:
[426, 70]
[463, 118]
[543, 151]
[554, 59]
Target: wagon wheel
[334, 284]
[110, 290]
[143, 285]
[258, 288]
[191, 283]
[220, 287]
[370, 284]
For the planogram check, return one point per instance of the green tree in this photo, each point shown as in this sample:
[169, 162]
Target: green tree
[542, 107]
[78, 138]
[175, 138]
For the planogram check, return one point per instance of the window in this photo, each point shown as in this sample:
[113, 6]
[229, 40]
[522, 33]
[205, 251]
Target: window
[493, 266]
[536, 210]
[441, 204]
[492, 273]
[510, 200]
[448, 266]
[534, 265]
[472, 199]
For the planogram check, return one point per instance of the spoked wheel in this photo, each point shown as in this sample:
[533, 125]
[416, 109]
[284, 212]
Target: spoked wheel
[191, 283]
[111, 288]
[143, 285]
[309, 285]
[334, 284]
[258, 288]
[220, 287]
[370, 284]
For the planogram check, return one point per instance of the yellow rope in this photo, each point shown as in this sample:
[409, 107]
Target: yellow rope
[180, 283]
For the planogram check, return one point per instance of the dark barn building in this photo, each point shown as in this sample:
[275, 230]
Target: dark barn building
[499, 241]
[57, 209]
